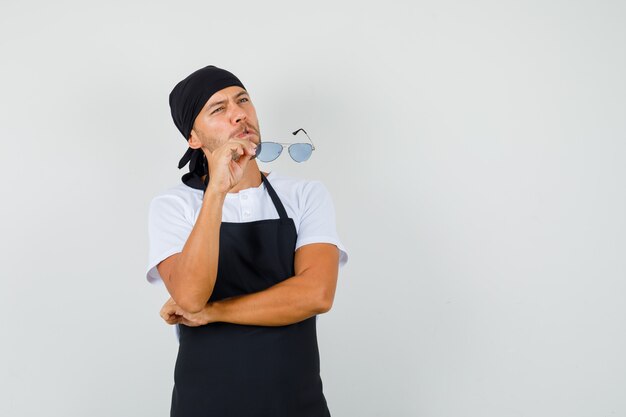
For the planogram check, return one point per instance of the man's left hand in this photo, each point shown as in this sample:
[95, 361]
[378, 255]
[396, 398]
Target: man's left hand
[173, 314]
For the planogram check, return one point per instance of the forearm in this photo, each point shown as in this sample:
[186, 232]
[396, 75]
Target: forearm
[290, 301]
[196, 271]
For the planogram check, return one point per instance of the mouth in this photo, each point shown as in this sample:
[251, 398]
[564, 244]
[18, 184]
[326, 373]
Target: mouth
[245, 133]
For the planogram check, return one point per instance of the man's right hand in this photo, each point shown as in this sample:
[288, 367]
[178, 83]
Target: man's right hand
[224, 171]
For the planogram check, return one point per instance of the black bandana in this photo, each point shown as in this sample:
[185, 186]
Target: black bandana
[186, 101]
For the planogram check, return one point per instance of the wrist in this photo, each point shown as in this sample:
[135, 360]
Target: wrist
[214, 194]
[211, 312]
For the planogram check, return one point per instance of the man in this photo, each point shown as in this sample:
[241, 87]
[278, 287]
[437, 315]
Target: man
[249, 258]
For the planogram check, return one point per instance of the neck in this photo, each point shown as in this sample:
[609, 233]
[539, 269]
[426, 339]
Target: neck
[251, 178]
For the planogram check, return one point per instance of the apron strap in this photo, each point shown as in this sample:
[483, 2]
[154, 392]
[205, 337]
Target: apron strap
[277, 203]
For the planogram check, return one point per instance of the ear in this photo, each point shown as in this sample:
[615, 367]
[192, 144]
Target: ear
[194, 141]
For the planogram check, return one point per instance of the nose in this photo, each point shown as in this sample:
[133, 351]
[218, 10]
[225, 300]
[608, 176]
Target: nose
[238, 115]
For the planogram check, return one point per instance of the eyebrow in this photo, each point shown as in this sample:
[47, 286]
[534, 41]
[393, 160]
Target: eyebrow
[241, 93]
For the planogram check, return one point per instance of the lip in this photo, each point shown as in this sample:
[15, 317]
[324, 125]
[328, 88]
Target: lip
[244, 134]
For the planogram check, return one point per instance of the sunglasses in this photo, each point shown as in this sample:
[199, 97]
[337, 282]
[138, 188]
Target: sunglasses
[299, 152]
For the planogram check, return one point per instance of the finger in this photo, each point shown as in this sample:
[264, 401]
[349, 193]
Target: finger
[231, 152]
[165, 314]
[171, 317]
[243, 160]
[235, 154]
[189, 323]
[167, 311]
[234, 149]
[244, 154]
[251, 149]
[243, 143]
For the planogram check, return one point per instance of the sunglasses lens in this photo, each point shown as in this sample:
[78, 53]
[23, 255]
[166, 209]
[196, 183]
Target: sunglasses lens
[300, 152]
[268, 151]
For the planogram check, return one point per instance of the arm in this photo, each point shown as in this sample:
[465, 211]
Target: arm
[189, 276]
[309, 292]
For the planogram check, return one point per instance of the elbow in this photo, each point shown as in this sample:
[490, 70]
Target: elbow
[192, 300]
[191, 305]
[324, 302]
[324, 308]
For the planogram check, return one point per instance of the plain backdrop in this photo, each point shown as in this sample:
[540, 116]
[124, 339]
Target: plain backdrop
[475, 152]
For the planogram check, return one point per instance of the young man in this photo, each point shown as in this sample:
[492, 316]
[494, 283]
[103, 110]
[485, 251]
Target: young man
[249, 258]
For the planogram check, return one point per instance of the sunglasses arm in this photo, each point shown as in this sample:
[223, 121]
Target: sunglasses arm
[296, 132]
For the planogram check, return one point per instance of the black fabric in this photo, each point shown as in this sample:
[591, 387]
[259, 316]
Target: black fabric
[197, 168]
[187, 100]
[225, 369]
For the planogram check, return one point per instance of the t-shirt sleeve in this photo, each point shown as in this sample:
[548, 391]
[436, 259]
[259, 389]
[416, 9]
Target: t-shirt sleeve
[169, 228]
[317, 223]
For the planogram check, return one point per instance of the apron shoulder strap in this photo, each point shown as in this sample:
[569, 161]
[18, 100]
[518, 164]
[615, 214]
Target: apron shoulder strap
[277, 203]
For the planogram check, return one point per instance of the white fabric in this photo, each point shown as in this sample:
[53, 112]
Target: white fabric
[173, 213]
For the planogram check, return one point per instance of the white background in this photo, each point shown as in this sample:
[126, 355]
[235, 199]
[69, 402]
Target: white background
[475, 152]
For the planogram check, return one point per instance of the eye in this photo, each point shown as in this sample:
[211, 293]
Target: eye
[243, 98]
[215, 111]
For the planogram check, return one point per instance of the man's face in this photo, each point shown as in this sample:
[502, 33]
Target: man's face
[229, 113]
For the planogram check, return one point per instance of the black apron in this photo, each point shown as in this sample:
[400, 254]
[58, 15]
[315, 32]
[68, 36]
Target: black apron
[232, 370]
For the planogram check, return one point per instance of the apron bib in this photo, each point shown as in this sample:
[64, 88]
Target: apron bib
[233, 370]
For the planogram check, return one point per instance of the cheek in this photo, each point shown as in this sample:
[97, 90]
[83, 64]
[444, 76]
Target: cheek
[252, 116]
[212, 128]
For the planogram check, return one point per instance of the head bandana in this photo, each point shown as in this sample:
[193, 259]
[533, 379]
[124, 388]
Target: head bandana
[186, 101]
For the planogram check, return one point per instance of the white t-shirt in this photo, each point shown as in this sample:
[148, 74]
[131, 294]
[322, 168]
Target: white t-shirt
[173, 213]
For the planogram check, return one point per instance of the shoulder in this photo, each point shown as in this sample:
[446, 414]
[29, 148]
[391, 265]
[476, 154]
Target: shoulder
[299, 189]
[313, 211]
[178, 197]
[306, 199]
[179, 191]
